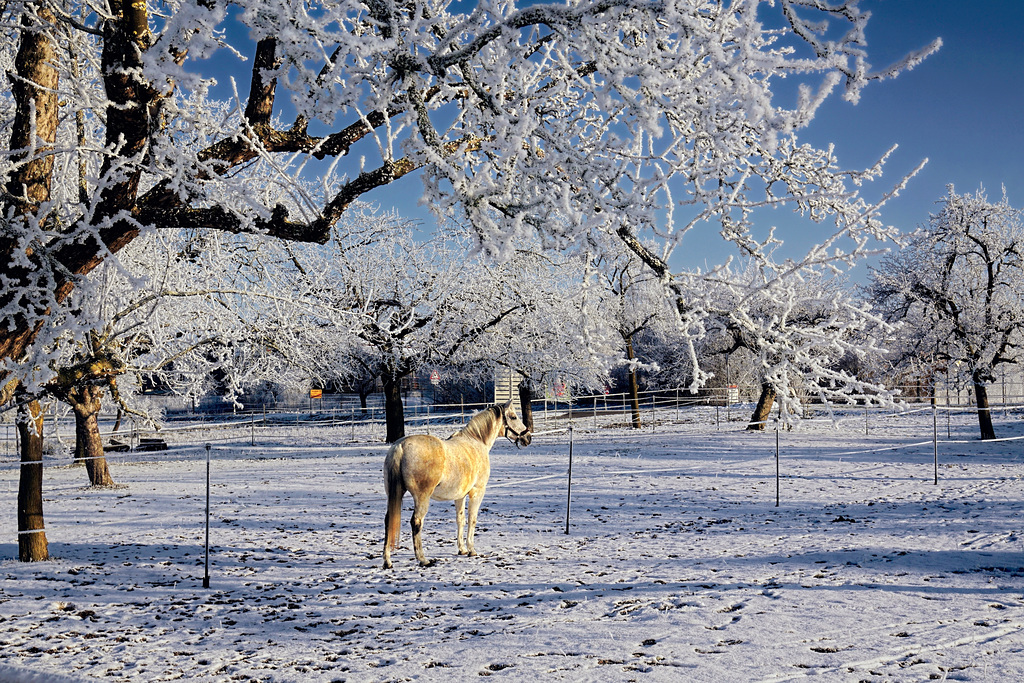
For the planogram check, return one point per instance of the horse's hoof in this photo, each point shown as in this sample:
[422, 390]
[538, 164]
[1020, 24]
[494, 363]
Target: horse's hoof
[388, 565]
[428, 563]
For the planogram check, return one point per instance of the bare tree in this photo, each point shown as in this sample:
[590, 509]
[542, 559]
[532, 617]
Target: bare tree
[636, 303]
[404, 304]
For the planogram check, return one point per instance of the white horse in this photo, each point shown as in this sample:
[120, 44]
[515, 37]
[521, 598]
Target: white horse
[451, 469]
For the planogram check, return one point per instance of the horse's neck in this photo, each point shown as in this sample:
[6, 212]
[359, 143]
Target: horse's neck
[484, 428]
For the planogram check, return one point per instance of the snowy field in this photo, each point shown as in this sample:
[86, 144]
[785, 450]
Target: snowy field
[678, 565]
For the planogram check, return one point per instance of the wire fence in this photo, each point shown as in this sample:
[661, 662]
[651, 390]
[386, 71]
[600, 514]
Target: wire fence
[711, 410]
[899, 428]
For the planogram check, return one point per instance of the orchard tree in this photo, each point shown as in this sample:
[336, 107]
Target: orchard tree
[173, 310]
[563, 337]
[958, 288]
[550, 120]
[410, 303]
[797, 327]
[636, 303]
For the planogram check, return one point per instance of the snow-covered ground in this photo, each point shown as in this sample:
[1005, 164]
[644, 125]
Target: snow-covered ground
[677, 566]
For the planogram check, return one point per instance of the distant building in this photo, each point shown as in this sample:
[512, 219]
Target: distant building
[506, 386]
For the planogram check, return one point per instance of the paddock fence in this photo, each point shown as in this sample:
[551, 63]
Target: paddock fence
[344, 421]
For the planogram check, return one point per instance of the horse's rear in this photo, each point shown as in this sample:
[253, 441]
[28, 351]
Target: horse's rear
[415, 464]
[430, 468]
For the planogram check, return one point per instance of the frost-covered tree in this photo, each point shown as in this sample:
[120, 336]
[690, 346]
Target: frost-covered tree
[171, 311]
[550, 120]
[958, 288]
[409, 303]
[797, 327]
[636, 303]
[561, 337]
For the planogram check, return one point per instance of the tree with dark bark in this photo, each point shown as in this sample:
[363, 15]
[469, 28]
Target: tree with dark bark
[564, 339]
[26, 193]
[401, 304]
[32, 543]
[81, 386]
[636, 304]
[797, 329]
[529, 119]
[958, 288]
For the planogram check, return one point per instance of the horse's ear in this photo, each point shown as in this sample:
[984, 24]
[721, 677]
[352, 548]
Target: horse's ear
[506, 406]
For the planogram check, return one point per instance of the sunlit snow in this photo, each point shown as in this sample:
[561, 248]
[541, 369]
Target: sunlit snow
[677, 566]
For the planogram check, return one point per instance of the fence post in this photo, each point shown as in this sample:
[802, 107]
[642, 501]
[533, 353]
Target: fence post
[568, 488]
[206, 575]
[935, 442]
[777, 485]
[654, 398]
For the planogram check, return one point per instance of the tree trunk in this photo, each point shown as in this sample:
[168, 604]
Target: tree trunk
[763, 408]
[526, 403]
[634, 389]
[33, 132]
[394, 412]
[362, 400]
[86, 402]
[32, 545]
[984, 412]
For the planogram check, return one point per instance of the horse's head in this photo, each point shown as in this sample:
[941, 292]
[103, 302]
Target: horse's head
[513, 428]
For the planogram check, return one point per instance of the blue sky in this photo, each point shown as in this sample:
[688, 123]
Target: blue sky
[960, 109]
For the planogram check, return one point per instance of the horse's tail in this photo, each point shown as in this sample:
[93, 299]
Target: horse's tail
[396, 490]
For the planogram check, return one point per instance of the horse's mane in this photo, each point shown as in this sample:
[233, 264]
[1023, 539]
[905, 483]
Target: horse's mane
[479, 426]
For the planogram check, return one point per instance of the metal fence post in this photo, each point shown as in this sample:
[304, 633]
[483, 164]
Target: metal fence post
[568, 488]
[935, 442]
[777, 485]
[206, 575]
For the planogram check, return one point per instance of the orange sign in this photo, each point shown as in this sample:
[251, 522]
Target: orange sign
[316, 393]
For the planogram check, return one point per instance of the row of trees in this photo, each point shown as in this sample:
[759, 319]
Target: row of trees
[597, 126]
[379, 304]
[376, 302]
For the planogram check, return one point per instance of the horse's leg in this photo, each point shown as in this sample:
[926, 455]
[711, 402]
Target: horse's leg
[476, 497]
[460, 525]
[422, 501]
